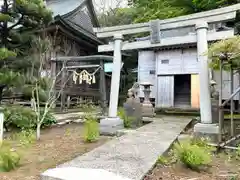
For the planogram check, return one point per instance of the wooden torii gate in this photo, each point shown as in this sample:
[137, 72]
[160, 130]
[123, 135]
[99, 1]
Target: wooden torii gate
[199, 20]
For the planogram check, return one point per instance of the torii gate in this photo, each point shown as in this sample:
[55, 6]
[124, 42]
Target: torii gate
[201, 38]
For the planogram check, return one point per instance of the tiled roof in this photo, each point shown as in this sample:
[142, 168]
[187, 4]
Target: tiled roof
[74, 14]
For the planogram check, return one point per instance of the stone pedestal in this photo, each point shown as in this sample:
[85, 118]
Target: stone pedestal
[207, 130]
[147, 107]
[215, 110]
[110, 126]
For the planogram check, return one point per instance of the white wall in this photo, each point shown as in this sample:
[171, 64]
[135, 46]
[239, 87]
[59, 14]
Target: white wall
[226, 83]
[146, 63]
[179, 62]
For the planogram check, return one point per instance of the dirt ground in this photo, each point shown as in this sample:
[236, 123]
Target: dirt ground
[57, 145]
[223, 168]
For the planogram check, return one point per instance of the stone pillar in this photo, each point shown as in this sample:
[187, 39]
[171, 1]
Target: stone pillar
[202, 48]
[115, 81]
[111, 124]
[206, 126]
[1, 124]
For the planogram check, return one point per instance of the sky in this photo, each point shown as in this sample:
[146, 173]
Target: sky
[104, 5]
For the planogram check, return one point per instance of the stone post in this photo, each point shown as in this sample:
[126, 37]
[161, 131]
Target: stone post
[206, 126]
[147, 107]
[1, 124]
[115, 81]
[202, 48]
[111, 124]
[214, 102]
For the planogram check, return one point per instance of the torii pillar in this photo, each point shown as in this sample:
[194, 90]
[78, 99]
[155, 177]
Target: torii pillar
[111, 124]
[205, 126]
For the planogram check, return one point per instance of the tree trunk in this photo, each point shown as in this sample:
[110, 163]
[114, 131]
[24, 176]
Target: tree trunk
[38, 131]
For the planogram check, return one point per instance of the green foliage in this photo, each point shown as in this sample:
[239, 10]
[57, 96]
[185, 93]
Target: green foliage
[117, 16]
[193, 155]
[127, 121]
[9, 158]
[48, 120]
[25, 16]
[238, 152]
[162, 160]
[25, 118]
[162, 9]
[230, 48]
[25, 137]
[91, 129]
[5, 53]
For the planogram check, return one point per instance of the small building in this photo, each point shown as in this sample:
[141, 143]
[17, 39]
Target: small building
[174, 71]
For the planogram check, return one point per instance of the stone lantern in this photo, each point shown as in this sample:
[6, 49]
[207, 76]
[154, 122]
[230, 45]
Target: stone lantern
[147, 107]
[214, 101]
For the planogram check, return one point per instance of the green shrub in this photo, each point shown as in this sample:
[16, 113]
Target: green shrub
[192, 155]
[91, 129]
[162, 160]
[25, 118]
[48, 120]
[20, 117]
[9, 159]
[25, 137]
[127, 121]
[202, 142]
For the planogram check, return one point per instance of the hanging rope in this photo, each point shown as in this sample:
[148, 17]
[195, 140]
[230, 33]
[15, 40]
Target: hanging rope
[84, 75]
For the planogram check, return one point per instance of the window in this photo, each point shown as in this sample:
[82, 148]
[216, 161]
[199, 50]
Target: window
[165, 61]
[152, 72]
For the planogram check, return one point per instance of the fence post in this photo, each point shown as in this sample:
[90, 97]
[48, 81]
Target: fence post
[1, 124]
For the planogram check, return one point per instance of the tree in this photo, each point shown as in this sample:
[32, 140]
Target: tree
[42, 47]
[230, 49]
[19, 20]
[117, 16]
[162, 9]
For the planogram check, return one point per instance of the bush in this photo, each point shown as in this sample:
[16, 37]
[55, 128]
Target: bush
[9, 159]
[91, 129]
[48, 120]
[192, 155]
[25, 118]
[20, 117]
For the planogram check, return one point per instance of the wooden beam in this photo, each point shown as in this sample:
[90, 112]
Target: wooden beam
[83, 58]
[82, 66]
[171, 41]
[217, 15]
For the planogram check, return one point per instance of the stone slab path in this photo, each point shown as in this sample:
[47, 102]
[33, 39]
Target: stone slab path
[135, 153]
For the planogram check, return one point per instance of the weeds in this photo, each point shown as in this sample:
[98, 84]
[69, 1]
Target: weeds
[195, 154]
[127, 121]
[25, 137]
[9, 158]
[91, 129]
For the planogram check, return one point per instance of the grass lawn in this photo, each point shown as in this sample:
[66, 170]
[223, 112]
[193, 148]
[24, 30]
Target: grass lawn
[57, 145]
